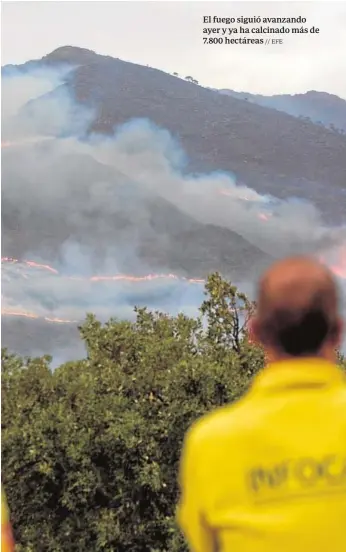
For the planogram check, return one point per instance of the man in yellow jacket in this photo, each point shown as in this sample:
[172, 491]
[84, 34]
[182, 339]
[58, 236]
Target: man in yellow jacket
[268, 474]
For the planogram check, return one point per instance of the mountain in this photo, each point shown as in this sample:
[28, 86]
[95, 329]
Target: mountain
[269, 150]
[318, 107]
[70, 208]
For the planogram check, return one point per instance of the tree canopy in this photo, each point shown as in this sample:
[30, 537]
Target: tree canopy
[90, 450]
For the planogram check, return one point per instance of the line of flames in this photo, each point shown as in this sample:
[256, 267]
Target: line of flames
[338, 269]
[113, 278]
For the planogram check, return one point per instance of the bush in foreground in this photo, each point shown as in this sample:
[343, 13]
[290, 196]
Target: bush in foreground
[90, 451]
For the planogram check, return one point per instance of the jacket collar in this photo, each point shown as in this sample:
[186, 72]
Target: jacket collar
[299, 373]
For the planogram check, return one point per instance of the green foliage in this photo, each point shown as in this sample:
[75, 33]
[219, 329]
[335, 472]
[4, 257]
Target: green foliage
[341, 360]
[90, 451]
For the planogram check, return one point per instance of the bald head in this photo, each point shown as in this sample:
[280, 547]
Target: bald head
[298, 307]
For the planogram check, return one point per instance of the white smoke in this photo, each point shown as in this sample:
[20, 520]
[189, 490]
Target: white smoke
[109, 205]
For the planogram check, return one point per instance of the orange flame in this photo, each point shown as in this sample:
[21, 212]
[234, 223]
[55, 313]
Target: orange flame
[114, 278]
[23, 141]
[225, 192]
[338, 267]
[264, 217]
[34, 316]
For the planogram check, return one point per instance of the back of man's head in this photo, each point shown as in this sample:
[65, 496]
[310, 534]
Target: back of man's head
[298, 310]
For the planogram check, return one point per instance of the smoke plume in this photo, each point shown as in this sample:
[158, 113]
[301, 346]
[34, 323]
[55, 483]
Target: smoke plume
[109, 218]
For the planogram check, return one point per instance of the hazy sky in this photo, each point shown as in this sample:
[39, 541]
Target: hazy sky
[168, 36]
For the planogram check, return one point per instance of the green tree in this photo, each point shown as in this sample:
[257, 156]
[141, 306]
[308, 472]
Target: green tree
[341, 360]
[90, 451]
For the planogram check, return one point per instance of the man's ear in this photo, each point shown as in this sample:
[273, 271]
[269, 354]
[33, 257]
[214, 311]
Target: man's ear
[253, 328]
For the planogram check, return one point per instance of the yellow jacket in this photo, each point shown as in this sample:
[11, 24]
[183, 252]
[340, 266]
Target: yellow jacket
[7, 543]
[268, 474]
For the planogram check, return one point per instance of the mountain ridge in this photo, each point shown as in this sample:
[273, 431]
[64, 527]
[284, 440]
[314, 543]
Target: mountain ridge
[267, 150]
[321, 108]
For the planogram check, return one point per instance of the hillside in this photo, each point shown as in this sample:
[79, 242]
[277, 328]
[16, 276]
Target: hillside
[321, 108]
[267, 149]
[64, 205]
[125, 217]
